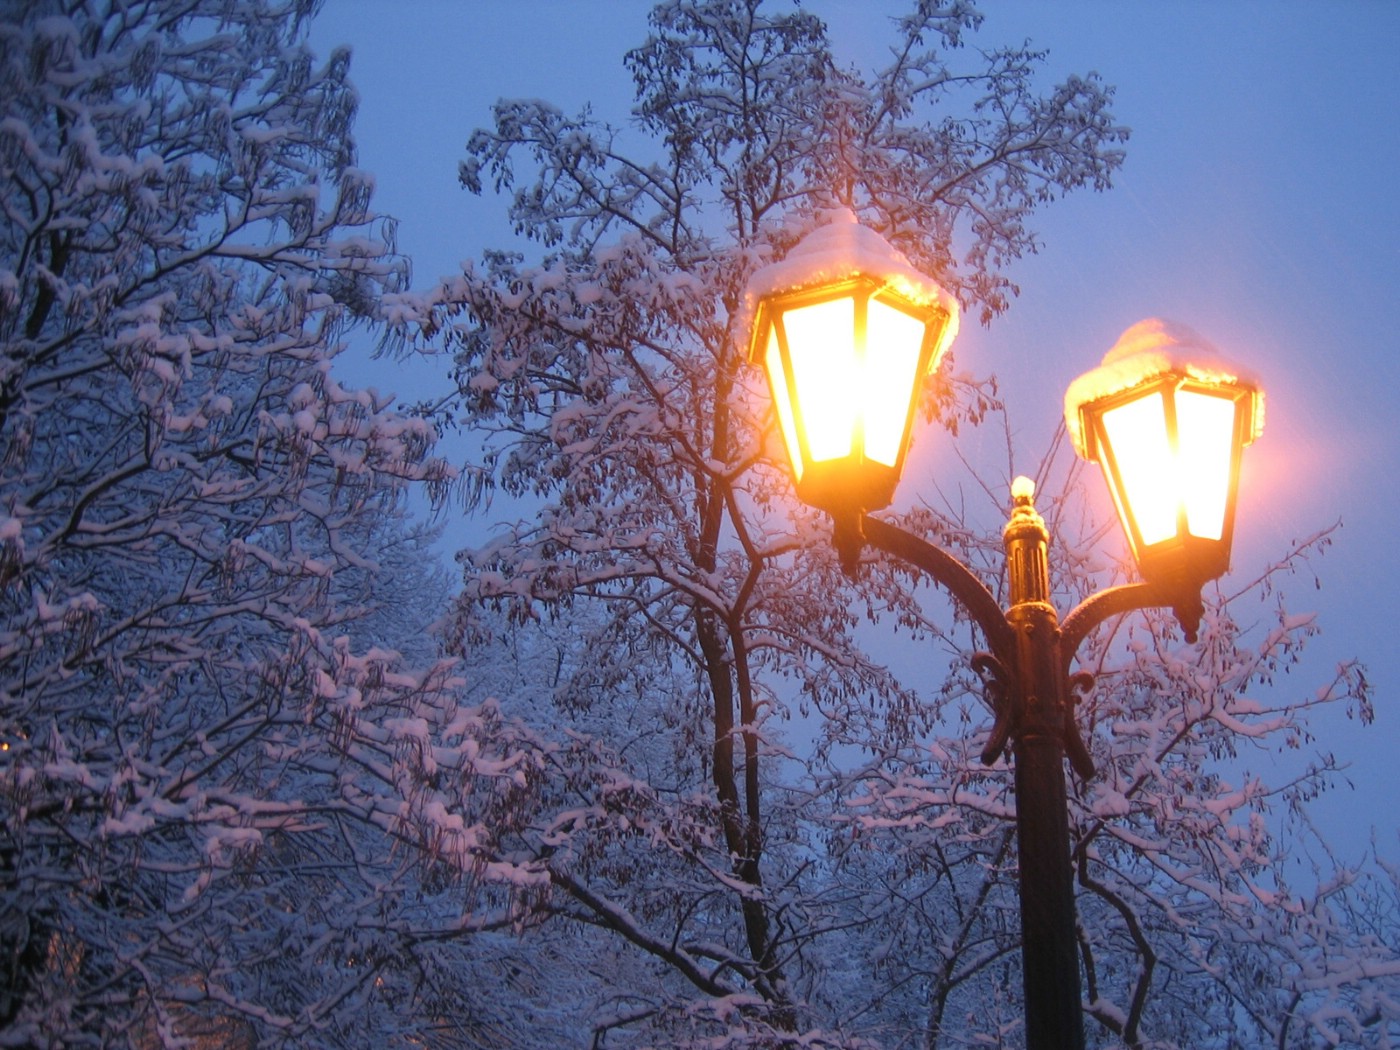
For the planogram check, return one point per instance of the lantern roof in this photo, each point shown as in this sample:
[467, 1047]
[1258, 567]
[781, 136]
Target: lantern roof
[840, 250]
[1146, 351]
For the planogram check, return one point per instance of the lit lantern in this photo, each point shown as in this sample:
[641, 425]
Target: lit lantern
[1167, 419]
[846, 330]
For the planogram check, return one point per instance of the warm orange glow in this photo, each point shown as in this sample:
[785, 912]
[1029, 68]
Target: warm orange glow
[892, 343]
[844, 370]
[777, 381]
[1168, 419]
[822, 349]
[1178, 474]
[1205, 426]
[1137, 433]
[846, 330]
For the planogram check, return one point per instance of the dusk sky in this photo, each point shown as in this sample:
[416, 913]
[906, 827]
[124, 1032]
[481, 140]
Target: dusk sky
[1258, 205]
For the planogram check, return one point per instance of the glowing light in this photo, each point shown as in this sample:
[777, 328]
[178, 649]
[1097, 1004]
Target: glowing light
[825, 373]
[846, 330]
[892, 343]
[1137, 433]
[1166, 477]
[1205, 427]
[1167, 419]
[773, 362]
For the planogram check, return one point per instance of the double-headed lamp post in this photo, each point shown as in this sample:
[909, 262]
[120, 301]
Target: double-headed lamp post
[846, 330]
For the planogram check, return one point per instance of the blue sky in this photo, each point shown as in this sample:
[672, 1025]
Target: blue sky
[1258, 205]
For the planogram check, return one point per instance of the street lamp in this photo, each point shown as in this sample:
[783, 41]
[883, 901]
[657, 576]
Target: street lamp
[1167, 419]
[846, 330]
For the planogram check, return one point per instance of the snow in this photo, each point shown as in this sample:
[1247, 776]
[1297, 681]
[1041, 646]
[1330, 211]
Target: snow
[838, 251]
[133, 822]
[1109, 803]
[215, 700]
[1150, 349]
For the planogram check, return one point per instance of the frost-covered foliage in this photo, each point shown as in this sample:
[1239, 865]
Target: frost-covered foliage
[212, 759]
[787, 842]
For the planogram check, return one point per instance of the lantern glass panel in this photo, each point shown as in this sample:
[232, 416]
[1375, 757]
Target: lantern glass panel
[1141, 447]
[777, 382]
[1205, 451]
[822, 351]
[893, 341]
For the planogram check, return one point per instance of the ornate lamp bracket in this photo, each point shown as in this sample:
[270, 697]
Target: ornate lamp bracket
[1075, 750]
[998, 693]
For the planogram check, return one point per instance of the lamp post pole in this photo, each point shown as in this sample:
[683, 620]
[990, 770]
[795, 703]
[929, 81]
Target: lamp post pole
[1027, 684]
[1040, 720]
[844, 325]
[1029, 687]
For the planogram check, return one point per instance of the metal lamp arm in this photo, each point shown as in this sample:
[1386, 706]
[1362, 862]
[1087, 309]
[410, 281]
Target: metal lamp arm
[1184, 600]
[949, 573]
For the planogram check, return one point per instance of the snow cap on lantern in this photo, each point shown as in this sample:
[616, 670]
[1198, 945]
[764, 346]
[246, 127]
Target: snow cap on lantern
[836, 251]
[1146, 351]
[846, 328]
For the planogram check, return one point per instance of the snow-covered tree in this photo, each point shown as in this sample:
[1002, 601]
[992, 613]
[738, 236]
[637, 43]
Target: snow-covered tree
[214, 829]
[796, 842]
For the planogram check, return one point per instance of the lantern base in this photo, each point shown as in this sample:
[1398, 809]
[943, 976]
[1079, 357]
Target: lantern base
[1188, 612]
[848, 537]
[848, 487]
[1186, 567]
